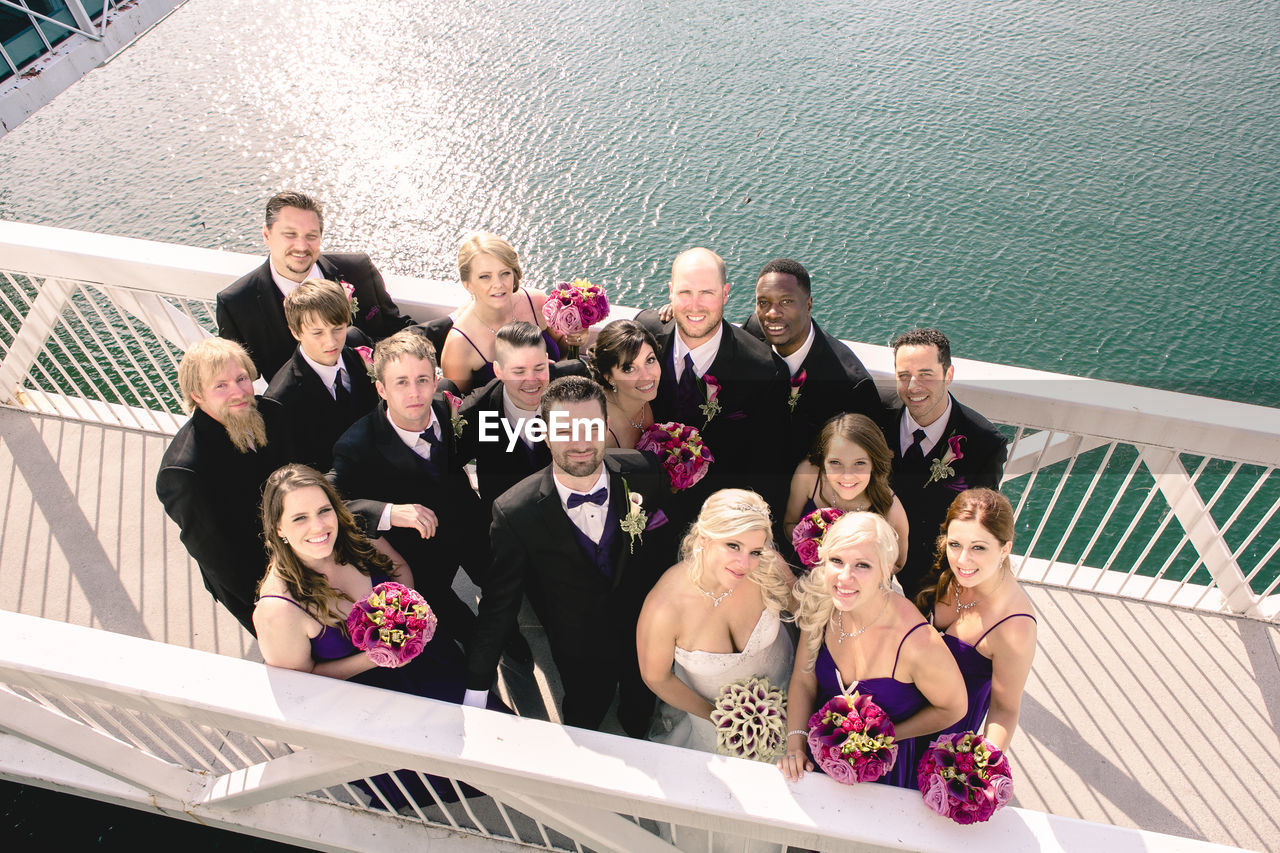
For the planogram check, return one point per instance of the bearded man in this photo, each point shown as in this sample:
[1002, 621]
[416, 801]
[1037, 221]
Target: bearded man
[211, 475]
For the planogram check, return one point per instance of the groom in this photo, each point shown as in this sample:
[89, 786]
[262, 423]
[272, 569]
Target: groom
[572, 537]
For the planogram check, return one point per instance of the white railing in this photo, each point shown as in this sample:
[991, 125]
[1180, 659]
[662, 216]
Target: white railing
[1119, 489]
[240, 745]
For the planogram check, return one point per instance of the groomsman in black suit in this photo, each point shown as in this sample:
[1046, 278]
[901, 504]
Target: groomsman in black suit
[211, 475]
[740, 410]
[251, 310]
[325, 387]
[499, 417]
[400, 464]
[940, 447]
[586, 540]
[827, 379]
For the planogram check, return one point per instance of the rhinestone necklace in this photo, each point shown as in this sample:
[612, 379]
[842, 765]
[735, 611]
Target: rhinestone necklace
[853, 635]
[716, 599]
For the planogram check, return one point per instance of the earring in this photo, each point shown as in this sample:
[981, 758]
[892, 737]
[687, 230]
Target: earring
[285, 541]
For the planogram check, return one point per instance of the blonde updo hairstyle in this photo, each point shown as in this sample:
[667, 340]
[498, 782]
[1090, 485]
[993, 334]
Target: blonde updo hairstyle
[729, 513]
[813, 591]
[486, 243]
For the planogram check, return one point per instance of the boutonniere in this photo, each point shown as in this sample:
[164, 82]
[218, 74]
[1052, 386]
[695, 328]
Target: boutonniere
[636, 518]
[711, 407]
[941, 468]
[351, 295]
[456, 419]
[366, 355]
[797, 382]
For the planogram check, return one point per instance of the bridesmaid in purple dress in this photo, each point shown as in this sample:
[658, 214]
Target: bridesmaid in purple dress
[856, 634]
[984, 616]
[319, 566]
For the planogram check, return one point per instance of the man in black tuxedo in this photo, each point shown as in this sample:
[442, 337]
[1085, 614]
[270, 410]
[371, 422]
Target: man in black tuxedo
[400, 464]
[499, 416]
[251, 310]
[827, 379]
[586, 540]
[742, 421]
[325, 387]
[940, 448]
[211, 475]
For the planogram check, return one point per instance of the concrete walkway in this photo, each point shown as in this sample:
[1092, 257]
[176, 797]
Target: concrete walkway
[1136, 715]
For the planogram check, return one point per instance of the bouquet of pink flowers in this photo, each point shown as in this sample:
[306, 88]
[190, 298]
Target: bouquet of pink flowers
[684, 457]
[748, 719]
[574, 306]
[963, 777]
[852, 739]
[392, 624]
[807, 536]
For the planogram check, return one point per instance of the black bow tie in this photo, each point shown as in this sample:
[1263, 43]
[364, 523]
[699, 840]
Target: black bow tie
[598, 497]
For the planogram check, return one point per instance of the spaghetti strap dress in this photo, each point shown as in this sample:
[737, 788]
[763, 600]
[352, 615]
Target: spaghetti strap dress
[438, 672]
[484, 374]
[976, 669]
[898, 699]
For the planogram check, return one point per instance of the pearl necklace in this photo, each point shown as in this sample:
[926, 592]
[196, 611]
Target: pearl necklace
[853, 635]
[716, 599]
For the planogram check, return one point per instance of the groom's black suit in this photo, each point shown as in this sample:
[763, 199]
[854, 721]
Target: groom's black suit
[590, 616]
[251, 309]
[984, 452]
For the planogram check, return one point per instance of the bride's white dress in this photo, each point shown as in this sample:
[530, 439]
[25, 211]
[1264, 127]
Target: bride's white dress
[768, 653]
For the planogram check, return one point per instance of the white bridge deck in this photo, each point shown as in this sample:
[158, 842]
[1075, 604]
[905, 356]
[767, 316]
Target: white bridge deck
[1150, 706]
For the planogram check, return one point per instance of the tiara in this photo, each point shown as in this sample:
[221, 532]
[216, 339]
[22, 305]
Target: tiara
[744, 507]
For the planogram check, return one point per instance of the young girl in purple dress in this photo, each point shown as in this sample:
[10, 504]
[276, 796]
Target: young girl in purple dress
[984, 616]
[857, 634]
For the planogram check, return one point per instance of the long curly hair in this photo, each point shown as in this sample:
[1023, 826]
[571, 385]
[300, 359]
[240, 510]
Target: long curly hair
[987, 507]
[862, 431]
[813, 590]
[733, 512]
[309, 588]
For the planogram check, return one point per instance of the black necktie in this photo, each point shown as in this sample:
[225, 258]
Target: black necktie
[340, 393]
[598, 497]
[915, 453]
[687, 392]
[432, 440]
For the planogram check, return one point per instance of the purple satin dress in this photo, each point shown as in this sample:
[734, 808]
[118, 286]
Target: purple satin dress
[976, 669]
[898, 699]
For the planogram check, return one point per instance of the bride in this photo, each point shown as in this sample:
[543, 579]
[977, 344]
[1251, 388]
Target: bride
[714, 617]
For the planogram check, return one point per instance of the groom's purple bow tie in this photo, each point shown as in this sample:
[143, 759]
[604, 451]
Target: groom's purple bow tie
[598, 497]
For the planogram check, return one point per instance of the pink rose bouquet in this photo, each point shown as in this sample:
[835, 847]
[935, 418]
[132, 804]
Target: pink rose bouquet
[807, 536]
[963, 777]
[851, 738]
[391, 624]
[684, 457]
[574, 306]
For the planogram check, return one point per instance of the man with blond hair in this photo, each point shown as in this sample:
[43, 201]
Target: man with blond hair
[400, 466]
[211, 475]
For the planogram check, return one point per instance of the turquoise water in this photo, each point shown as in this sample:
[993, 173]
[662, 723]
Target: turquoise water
[1078, 186]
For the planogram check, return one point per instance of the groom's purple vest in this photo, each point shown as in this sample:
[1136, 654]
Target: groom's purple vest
[599, 554]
